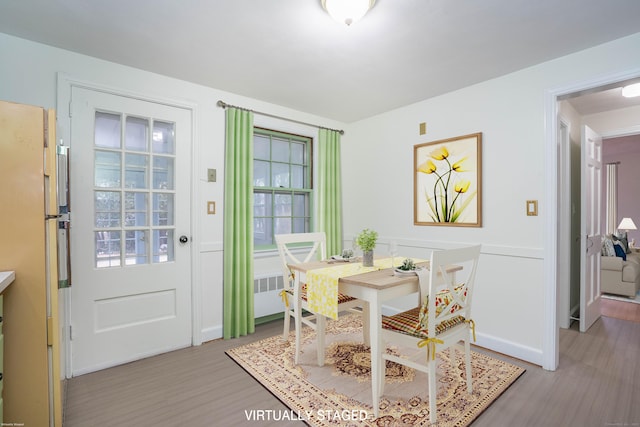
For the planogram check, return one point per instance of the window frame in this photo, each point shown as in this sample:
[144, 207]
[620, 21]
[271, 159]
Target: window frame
[308, 191]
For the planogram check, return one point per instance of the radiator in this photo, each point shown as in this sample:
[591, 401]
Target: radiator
[266, 289]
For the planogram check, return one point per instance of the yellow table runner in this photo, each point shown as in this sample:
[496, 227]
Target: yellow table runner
[322, 283]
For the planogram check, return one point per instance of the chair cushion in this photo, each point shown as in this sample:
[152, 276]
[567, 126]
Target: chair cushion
[342, 298]
[407, 322]
[443, 299]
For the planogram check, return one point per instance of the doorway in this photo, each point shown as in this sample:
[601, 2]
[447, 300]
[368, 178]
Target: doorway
[559, 290]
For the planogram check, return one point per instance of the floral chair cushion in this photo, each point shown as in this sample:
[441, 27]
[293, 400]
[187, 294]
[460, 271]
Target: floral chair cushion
[414, 322]
[443, 299]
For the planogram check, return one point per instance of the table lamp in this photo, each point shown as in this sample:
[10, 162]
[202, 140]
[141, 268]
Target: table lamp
[627, 224]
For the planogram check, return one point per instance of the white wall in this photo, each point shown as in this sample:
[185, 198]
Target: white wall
[510, 113]
[28, 74]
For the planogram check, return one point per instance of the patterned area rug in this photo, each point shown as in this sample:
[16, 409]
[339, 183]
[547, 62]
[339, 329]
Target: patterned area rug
[339, 393]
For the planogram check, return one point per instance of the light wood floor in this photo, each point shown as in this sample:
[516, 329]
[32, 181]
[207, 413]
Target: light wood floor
[597, 384]
[620, 310]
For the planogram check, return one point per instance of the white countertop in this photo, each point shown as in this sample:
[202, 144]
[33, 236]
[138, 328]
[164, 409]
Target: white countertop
[6, 278]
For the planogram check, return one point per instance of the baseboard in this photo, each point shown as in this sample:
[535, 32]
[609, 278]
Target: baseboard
[213, 333]
[509, 348]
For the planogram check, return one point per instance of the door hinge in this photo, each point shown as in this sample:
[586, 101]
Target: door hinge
[70, 333]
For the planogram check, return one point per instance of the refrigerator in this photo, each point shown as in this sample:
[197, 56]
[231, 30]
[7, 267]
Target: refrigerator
[29, 214]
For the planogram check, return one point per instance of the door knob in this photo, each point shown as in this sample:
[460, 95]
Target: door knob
[183, 239]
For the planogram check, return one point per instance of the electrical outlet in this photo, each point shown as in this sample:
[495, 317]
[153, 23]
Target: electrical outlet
[211, 175]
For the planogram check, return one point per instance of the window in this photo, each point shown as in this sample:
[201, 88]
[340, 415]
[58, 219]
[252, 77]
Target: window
[282, 187]
[133, 190]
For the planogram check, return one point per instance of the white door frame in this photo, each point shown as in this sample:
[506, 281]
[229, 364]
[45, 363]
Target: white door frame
[564, 221]
[550, 339]
[63, 100]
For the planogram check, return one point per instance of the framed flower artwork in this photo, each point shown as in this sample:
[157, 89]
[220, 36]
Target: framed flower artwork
[448, 182]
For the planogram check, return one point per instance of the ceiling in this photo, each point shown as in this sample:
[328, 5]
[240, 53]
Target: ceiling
[290, 53]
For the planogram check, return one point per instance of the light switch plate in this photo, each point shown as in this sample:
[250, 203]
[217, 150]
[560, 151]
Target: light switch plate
[423, 128]
[532, 208]
[211, 175]
[211, 208]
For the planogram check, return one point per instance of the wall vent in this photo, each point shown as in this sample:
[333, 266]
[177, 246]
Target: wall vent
[267, 283]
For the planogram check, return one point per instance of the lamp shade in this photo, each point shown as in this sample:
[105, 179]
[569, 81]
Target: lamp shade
[347, 11]
[627, 224]
[631, 90]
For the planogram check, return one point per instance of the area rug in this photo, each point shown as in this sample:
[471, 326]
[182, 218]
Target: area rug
[339, 393]
[635, 300]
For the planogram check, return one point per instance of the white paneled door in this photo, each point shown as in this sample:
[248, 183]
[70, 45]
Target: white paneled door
[130, 229]
[591, 242]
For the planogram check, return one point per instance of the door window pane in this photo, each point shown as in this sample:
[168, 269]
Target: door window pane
[163, 209]
[107, 248]
[163, 138]
[163, 244]
[107, 130]
[136, 171]
[136, 134]
[107, 209]
[136, 210]
[163, 173]
[128, 199]
[136, 247]
[107, 169]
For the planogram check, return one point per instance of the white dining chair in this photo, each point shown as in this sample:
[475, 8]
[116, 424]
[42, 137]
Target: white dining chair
[437, 324]
[292, 250]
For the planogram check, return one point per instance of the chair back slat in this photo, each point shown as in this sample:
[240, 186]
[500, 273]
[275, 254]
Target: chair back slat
[291, 251]
[450, 294]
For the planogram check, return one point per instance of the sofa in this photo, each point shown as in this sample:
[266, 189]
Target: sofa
[620, 277]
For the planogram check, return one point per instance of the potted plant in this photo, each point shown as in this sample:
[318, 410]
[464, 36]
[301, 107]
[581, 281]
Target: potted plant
[407, 265]
[366, 241]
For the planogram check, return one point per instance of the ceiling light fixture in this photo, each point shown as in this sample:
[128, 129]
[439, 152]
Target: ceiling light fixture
[347, 11]
[631, 90]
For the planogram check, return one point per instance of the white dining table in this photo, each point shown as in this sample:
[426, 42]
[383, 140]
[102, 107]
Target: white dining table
[374, 288]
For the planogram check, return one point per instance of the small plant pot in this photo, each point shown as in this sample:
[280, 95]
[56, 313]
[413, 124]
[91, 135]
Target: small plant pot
[367, 258]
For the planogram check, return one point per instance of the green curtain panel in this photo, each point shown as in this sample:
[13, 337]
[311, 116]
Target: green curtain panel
[238, 225]
[329, 198]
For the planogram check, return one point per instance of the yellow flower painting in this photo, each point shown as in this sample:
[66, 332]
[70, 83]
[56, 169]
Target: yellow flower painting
[447, 182]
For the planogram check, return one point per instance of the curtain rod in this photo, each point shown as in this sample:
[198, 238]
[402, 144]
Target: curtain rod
[225, 105]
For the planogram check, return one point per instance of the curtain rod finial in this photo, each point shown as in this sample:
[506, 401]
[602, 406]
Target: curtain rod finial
[221, 104]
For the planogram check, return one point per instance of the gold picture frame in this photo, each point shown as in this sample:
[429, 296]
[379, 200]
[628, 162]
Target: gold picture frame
[447, 184]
